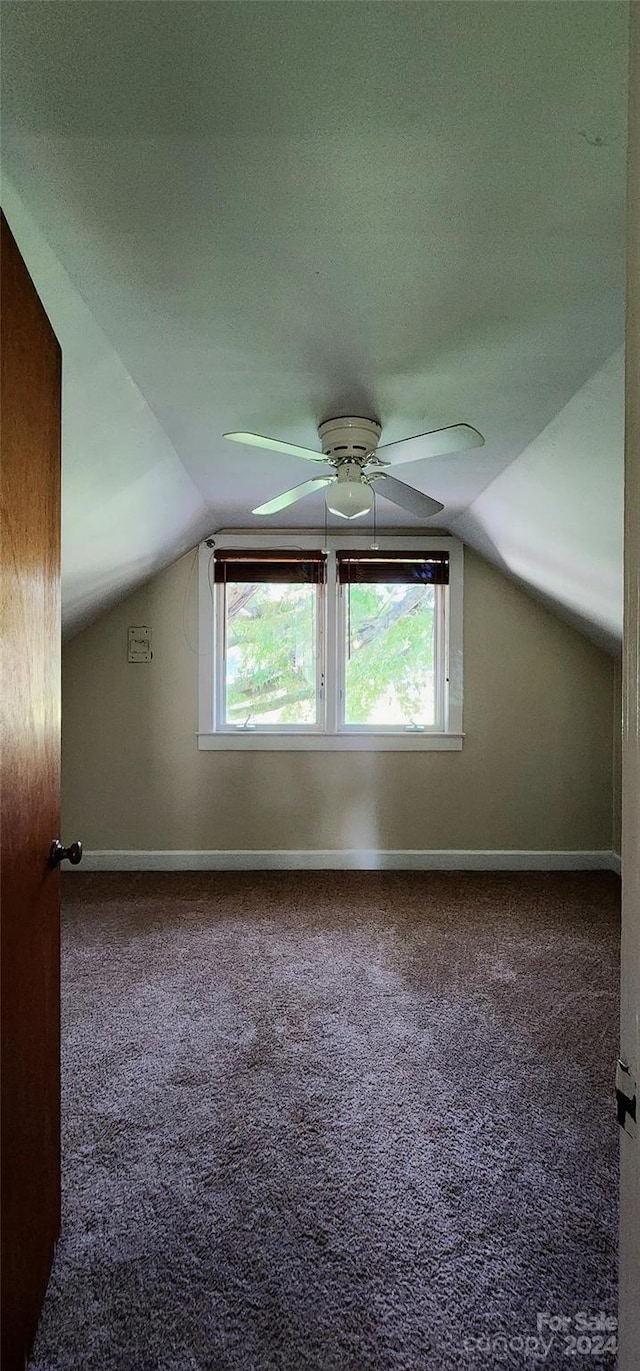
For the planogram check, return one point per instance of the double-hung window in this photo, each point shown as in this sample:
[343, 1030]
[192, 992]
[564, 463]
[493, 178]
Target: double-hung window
[310, 642]
[269, 639]
[390, 621]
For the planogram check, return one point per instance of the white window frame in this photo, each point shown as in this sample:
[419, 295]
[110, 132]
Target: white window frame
[330, 733]
[441, 694]
[220, 724]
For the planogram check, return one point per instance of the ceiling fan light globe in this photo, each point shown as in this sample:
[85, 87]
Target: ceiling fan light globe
[349, 499]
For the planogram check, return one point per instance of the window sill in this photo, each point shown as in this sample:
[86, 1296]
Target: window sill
[330, 742]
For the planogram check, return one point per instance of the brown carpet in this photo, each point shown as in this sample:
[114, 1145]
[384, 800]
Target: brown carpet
[335, 1120]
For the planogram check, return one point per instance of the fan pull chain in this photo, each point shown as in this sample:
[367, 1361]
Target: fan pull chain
[349, 615]
[226, 611]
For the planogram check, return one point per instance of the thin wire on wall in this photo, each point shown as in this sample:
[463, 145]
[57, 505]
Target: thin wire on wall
[185, 599]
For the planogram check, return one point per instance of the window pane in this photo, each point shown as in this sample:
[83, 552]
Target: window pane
[390, 654]
[271, 654]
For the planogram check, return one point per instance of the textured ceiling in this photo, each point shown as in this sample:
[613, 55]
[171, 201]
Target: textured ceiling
[258, 215]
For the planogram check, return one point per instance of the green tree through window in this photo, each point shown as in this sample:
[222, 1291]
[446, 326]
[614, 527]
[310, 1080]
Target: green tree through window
[271, 654]
[390, 650]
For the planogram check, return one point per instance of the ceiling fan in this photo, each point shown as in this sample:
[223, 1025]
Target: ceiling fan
[350, 446]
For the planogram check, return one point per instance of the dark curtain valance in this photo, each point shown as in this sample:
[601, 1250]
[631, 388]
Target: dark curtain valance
[393, 568]
[286, 567]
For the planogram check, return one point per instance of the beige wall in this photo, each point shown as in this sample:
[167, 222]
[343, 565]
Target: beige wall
[535, 771]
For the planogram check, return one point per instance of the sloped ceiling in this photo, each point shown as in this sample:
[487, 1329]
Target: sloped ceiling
[128, 505]
[554, 518]
[258, 215]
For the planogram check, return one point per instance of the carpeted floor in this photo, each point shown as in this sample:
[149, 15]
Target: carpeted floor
[335, 1120]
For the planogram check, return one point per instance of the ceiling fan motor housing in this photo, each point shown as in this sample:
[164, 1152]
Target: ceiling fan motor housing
[349, 439]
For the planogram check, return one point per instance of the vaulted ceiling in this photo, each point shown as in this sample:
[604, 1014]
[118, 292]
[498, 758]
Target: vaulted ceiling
[255, 216]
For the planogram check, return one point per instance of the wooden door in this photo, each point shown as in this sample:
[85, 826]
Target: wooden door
[30, 806]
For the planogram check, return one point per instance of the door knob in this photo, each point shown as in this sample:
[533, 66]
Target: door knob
[59, 853]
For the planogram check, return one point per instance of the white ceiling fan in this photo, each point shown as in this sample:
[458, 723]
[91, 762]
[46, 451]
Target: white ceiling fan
[350, 446]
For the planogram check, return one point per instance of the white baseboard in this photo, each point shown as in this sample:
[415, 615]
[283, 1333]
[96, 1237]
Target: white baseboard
[349, 859]
[616, 862]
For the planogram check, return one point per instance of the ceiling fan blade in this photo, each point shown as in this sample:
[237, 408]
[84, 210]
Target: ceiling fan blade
[456, 438]
[289, 497]
[406, 496]
[274, 445]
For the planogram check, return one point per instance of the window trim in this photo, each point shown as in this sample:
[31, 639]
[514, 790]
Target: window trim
[221, 725]
[391, 730]
[327, 734]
